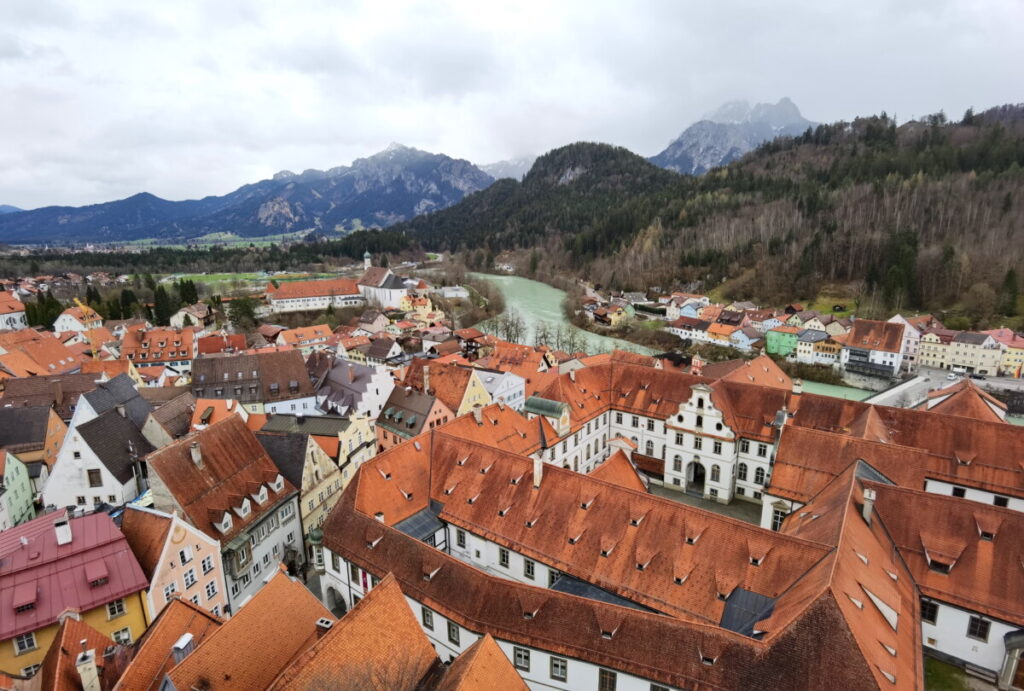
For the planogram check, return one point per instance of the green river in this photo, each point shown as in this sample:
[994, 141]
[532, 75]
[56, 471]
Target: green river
[537, 302]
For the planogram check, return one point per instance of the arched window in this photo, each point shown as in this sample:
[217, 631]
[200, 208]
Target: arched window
[716, 473]
[677, 464]
[700, 420]
[759, 476]
[741, 472]
[649, 448]
[700, 402]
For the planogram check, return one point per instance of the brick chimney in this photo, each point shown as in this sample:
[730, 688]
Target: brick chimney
[323, 625]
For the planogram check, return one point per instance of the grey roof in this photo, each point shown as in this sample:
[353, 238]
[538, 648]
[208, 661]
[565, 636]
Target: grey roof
[175, 416]
[25, 425]
[120, 391]
[743, 609]
[574, 586]
[406, 411]
[543, 406]
[316, 425]
[115, 439]
[423, 523]
[811, 336]
[971, 338]
[369, 316]
[393, 282]
[380, 348]
[287, 451]
[491, 379]
[345, 385]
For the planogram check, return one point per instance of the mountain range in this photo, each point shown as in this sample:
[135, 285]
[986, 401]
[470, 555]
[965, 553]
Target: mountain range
[8, 209]
[394, 185]
[726, 134]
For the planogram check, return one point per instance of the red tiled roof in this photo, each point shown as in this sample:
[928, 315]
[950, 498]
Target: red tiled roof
[146, 532]
[967, 399]
[233, 461]
[618, 471]
[482, 666]
[876, 335]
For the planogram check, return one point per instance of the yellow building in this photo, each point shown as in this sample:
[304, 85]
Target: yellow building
[55, 567]
[304, 463]
[1012, 363]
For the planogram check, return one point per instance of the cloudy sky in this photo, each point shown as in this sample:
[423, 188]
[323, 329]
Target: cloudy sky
[106, 98]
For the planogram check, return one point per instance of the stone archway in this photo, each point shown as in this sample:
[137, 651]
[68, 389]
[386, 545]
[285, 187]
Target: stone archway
[336, 602]
[695, 475]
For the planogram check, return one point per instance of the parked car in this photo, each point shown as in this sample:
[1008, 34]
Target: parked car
[977, 376]
[952, 376]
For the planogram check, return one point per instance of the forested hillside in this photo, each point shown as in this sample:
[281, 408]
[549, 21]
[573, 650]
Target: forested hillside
[923, 216]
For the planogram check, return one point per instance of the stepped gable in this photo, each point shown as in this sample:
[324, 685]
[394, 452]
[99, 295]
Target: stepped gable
[814, 647]
[984, 546]
[619, 471]
[482, 666]
[153, 651]
[379, 644]
[261, 640]
[967, 399]
[862, 579]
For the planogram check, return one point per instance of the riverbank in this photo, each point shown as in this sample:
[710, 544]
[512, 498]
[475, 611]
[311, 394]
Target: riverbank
[539, 307]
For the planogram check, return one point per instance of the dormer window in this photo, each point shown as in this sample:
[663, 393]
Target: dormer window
[278, 484]
[225, 523]
[756, 561]
[692, 539]
[679, 580]
[939, 566]
[987, 536]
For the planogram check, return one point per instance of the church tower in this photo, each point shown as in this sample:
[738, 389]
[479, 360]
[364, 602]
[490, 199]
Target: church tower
[367, 259]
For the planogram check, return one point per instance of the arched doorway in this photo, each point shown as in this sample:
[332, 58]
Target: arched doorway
[695, 477]
[336, 603]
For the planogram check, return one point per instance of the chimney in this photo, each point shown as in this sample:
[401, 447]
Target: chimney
[426, 378]
[478, 416]
[182, 647]
[58, 393]
[88, 671]
[197, 454]
[798, 387]
[869, 504]
[408, 391]
[62, 526]
[351, 376]
[120, 409]
[572, 375]
[538, 471]
[323, 625]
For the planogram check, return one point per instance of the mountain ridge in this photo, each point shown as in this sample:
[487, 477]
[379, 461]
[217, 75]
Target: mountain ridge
[728, 132]
[390, 186]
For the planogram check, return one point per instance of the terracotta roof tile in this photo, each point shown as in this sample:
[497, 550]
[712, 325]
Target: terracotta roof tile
[618, 470]
[482, 666]
[291, 290]
[360, 652]
[146, 532]
[260, 641]
[154, 651]
[59, 671]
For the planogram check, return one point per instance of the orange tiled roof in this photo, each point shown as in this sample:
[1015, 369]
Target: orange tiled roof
[59, 672]
[305, 335]
[967, 399]
[261, 640]
[360, 652]
[146, 533]
[447, 382]
[980, 579]
[876, 335]
[617, 470]
[153, 657]
[481, 666]
[309, 289]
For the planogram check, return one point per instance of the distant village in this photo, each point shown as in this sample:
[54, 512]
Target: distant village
[194, 505]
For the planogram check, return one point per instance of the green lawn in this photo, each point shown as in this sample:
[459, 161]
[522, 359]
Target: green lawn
[938, 676]
[823, 304]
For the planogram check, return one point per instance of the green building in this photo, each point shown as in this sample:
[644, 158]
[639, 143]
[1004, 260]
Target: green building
[16, 505]
[781, 340]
